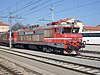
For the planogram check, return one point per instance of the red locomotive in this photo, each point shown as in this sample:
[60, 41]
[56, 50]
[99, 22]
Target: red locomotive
[55, 37]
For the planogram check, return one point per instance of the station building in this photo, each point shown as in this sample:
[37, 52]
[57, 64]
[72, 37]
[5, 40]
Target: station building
[3, 27]
[70, 20]
[91, 28]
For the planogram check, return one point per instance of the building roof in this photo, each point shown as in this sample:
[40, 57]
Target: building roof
[92, 28]
[3, 24]
[60, 21]
[64, 20]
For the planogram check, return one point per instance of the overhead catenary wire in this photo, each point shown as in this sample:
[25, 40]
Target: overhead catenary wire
[11, 6]
[25, 6]
[37, 6]
[45, 7]
[40, 9]
[79, 6]
[76, 7]
[36, 9]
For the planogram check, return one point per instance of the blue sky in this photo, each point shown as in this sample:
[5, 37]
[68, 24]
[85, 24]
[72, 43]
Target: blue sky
[87, 11]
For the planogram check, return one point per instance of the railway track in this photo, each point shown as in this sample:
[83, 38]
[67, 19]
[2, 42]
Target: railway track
[81, 56]
[87, 51]
[59, 63]
[6, 71]
[10, 68]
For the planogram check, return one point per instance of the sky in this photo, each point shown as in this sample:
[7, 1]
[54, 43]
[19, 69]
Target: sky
[34, 11]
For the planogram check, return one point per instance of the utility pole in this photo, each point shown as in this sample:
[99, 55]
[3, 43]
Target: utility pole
[10, 17]
[10, 25]
[52, 12]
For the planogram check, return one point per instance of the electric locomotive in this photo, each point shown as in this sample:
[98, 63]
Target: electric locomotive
[60, 38]
[57, 38]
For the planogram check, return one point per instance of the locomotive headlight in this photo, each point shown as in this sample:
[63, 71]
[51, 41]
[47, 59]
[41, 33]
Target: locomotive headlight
[80, 40]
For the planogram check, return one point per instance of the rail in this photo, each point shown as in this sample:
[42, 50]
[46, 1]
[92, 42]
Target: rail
[6, 71]
[59, 63]
[88, 57]
[87, 51]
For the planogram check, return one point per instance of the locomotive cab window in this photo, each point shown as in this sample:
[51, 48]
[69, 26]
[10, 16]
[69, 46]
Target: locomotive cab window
[66, 30]
[60, 30]
[70, 30]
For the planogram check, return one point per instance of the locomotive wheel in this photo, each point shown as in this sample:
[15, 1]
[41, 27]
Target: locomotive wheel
[32, 46]
[49, 49]
[58, 51]
[16, 46]
[44, 48]
[61, 51]
[22, 46]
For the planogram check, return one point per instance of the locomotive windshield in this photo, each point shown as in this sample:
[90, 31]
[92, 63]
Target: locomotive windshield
[68, 30]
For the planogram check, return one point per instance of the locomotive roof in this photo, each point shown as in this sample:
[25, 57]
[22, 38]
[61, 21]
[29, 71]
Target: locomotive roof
[50, 27]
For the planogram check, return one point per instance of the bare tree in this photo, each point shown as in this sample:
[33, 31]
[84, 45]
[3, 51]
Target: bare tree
[16, 26]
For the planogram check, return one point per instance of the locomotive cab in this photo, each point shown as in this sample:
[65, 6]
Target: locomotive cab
[70, 37]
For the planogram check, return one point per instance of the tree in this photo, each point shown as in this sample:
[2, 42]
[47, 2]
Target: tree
[16, 26]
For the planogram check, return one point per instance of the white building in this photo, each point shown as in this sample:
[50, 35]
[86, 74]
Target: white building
[3, 27]
[72, 20]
